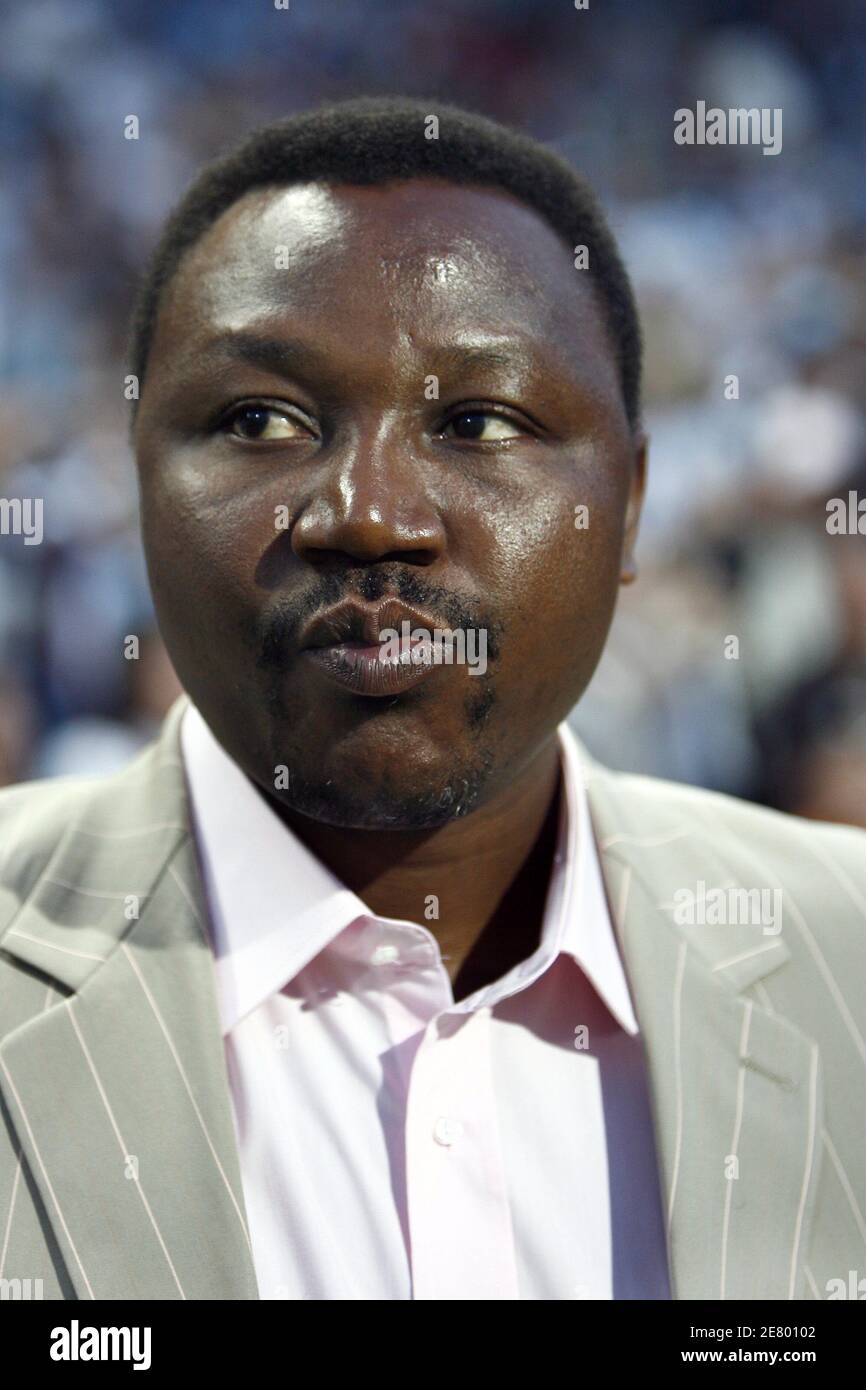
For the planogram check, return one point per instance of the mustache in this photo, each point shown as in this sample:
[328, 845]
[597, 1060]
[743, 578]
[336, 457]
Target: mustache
[276, 632]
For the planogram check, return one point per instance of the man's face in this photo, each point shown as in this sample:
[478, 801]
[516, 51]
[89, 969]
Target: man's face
[373, 393]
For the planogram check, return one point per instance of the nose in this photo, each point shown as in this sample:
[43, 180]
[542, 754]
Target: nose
[374, 504]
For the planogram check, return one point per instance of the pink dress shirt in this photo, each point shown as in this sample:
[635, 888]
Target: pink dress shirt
[394, 1144]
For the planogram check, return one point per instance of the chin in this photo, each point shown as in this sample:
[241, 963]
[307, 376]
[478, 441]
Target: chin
[386, 805]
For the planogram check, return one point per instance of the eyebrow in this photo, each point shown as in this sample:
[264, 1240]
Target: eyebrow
[275, 354]
[288, 355]
[496, 352]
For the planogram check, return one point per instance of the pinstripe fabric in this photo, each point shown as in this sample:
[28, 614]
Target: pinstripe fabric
[119, 1174]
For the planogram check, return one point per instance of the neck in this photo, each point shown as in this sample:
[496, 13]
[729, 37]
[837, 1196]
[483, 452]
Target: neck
[478, 884]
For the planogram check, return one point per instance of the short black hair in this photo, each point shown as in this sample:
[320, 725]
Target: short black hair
[376, 140]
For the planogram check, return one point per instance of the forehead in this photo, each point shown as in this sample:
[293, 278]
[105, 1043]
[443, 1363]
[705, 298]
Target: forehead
[415, 259]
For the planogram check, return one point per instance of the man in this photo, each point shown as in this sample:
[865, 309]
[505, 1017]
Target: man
[365, 980]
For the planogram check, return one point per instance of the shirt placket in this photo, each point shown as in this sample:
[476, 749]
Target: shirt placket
[461, 1238]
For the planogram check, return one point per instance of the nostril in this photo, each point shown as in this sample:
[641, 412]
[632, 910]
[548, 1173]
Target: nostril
[324, 558]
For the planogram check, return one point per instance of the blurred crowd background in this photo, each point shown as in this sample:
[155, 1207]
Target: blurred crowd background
[744, 264]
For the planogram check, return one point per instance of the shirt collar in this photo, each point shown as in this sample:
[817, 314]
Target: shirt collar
[258, 883]
[581, 912]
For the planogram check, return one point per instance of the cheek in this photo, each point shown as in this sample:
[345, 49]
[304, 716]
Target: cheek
[201, 557]
[557, 581]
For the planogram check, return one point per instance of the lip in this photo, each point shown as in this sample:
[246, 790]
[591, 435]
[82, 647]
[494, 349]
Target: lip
[361, 668]
[344, 644]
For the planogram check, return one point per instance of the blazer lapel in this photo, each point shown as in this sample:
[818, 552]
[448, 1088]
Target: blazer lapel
[119, 1091]
[735, 1089]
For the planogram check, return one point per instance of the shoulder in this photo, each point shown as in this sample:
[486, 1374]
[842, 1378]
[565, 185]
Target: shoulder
[727, 821]
[674, 836]
[72, 821]
[37, 816]
[34, 816]
[39, 811]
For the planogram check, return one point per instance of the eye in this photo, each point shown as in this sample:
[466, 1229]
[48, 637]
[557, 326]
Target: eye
[261, 421]
[484, 425]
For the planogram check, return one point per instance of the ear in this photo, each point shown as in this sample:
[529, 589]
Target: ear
[637, 484]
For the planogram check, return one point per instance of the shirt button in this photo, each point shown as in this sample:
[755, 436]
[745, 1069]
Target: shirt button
[446, 1130]
[385, 955]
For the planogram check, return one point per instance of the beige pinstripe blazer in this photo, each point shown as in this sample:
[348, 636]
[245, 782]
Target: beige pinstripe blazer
[119, 1174]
